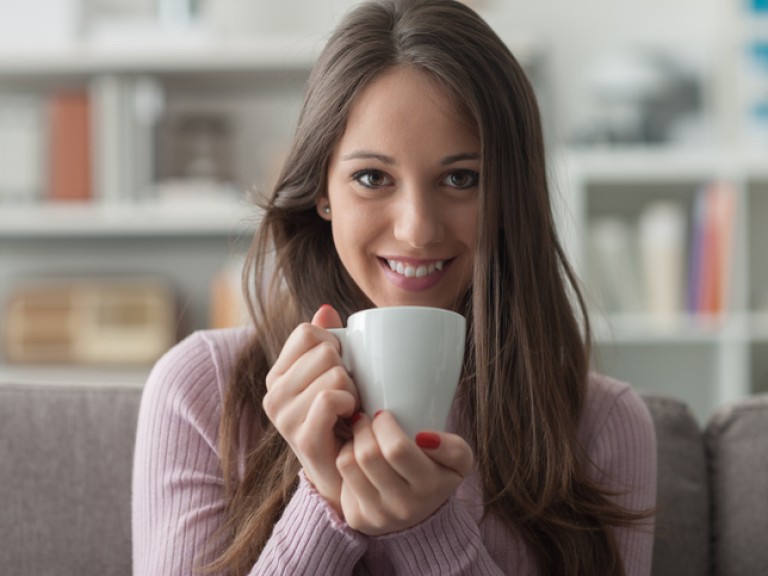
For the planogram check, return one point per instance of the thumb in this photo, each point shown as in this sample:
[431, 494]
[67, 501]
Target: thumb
[448, 450]
[327, 317]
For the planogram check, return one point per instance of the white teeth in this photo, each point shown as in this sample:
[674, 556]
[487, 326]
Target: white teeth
[418, 272]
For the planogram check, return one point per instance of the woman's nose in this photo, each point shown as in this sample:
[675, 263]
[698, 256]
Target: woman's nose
[418, 219]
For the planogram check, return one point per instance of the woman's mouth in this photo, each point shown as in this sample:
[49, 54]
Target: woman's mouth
[414, 275]
[410, 270]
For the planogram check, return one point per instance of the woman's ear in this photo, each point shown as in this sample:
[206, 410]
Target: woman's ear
[323, 207]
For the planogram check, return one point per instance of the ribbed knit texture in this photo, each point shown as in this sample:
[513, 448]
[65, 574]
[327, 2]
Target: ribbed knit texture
[178, 490]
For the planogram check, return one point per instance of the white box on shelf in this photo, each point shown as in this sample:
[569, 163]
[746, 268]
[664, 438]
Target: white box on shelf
[22, 144]
[126, 111]
[40, 22]
[661, 235]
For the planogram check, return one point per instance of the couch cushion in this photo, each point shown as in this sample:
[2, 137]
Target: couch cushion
[65, 479]
[681, 542]
[737, 445]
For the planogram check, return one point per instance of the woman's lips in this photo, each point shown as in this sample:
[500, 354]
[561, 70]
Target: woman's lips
[412, 274]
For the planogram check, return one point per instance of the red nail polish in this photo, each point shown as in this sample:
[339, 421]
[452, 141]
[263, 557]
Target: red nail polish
[427, 440]
[377, 413]
[354, 418]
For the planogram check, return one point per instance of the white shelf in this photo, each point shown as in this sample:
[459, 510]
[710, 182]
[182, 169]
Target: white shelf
[157, 55]
[759, 327]
[682, 329]
[125, 219]
[663, 163]
[167, 54]
[756, 164]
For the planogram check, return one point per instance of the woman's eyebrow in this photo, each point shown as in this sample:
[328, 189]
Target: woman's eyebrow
[369, 155]
[453, 158]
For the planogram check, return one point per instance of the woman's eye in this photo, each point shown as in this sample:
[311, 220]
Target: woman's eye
[372, 178]
[462, 179]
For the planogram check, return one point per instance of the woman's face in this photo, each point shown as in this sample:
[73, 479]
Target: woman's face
[403, 193]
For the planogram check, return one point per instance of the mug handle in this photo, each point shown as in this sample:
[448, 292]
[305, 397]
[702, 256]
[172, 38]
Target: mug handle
[341, 334]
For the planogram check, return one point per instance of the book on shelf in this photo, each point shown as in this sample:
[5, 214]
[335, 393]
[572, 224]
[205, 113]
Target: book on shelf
[612, 246]
[710, 267]
[69, 136]
[89, 320]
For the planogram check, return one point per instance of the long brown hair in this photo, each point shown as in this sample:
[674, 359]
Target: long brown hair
[525, 373]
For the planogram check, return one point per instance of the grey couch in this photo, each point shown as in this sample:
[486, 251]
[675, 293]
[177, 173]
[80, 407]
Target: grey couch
[65, 474]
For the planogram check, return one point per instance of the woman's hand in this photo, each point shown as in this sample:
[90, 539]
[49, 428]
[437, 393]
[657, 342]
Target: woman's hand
[390, 483]
[308, 392]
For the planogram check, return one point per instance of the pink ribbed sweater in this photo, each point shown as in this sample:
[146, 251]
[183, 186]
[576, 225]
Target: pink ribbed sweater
[178, 498]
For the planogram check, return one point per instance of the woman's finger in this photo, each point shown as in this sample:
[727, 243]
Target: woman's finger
[305, 337]
[357, 483]
[371, 460]
[399, 451]
[313, 367]
[319, 424]
[447, 450]
[413, 459]
[326, 317]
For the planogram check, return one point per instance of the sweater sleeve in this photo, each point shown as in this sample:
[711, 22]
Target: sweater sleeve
[178, 489]
[447, 543]
[623, 452]
[310, 539]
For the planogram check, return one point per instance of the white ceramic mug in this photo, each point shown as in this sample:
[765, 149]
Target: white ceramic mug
[406, 360]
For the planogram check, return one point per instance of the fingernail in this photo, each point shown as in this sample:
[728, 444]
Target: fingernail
[354, 418]
[326, 306]
[427, 440]
[377, 413]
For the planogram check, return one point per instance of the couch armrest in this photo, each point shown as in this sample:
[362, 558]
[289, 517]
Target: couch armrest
[737, 446]
[681, 542]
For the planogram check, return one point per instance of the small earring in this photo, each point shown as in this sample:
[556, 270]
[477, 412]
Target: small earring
[326, 209]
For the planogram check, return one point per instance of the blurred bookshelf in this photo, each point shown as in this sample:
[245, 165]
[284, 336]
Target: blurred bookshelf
[180, 126]
[676, 287]
[669, 238]
[130, 145]
[125, 162]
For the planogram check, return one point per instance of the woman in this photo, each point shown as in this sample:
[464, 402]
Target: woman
[416, 177]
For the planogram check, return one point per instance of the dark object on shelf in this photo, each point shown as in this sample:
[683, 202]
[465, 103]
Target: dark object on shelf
[640, 97]
[197, 146]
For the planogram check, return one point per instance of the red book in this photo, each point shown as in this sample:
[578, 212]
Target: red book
[726, 214]
[716, 250]
[70, 147]
[708, 252]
